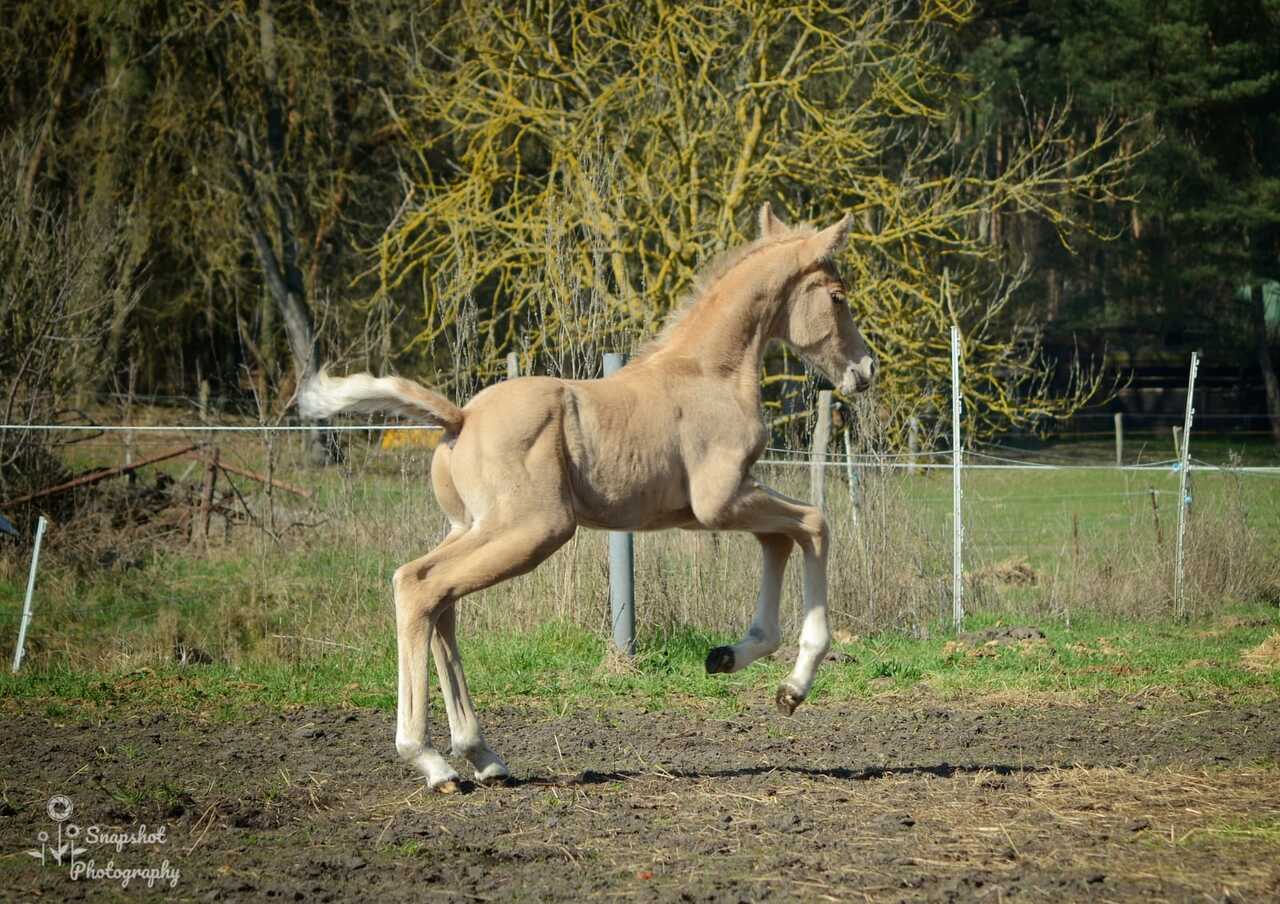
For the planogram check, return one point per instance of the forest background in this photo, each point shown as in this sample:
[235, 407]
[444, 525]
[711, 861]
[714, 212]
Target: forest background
[205, 198]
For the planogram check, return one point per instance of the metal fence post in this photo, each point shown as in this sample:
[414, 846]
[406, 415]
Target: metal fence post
[20, 648]
[957, 523]
[622, 599]
[1184, 497]
[1119, 419]
[851, 475]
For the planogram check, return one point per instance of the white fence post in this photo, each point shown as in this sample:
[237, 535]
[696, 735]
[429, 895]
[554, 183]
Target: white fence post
[513, 365]
[957, 524]
[1119, 420]
[20, 648]
[913, 442]
[851, 475]
[818, 451]
[622, 591]
[1184, 498]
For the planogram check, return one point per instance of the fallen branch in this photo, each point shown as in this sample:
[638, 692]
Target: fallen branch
[328, 643]
[261, 478]
[93, 477]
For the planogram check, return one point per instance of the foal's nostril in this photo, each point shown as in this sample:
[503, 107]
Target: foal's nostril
[867, 374]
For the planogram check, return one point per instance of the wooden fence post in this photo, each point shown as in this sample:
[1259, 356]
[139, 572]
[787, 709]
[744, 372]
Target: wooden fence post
[913, 443]
[200, 530]
[818, 451]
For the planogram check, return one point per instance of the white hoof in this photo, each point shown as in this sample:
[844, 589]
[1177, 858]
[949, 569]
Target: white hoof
[430, 763]
[495, 773]
[788, 698]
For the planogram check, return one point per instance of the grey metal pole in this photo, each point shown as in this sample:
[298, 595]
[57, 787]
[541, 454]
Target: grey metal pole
[957, 462]
[622, 593]
[20, 649]
[1184, 495]
[851, 475]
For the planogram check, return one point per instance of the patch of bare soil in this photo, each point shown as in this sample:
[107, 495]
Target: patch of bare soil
[1129, 801]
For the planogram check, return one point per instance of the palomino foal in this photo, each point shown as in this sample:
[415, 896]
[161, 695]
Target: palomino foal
[668, 441]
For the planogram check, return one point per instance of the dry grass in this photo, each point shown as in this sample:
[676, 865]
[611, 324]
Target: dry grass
[1265, 657]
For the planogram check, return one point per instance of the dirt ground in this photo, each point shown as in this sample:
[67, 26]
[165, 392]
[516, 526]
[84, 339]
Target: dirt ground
[1137, 800]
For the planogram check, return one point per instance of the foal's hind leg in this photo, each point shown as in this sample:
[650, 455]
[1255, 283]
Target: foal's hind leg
[764, 635]
[481, 557]
[413, 633]
[464, 728]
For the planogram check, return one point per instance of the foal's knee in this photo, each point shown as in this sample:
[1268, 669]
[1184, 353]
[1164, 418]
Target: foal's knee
[817, 533]
[766, 637]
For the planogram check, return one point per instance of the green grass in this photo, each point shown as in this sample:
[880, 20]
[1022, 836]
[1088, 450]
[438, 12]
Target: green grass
[305, 617]
[1266, 831]
[1145, 445]
[1049, 517]
[561, 666]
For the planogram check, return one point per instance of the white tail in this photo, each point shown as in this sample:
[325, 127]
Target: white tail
[323, 396]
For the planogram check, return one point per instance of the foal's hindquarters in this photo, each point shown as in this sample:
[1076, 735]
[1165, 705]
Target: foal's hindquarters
[506, 494]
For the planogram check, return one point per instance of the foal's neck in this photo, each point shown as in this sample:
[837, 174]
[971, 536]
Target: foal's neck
[727, 335]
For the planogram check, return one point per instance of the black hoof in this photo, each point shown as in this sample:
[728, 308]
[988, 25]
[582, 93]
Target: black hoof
[720, 660]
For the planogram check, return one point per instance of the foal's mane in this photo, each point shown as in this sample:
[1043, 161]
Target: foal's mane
[717, 269]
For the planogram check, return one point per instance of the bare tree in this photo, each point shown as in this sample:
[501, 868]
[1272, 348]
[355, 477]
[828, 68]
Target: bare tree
[703, 111]
[54, 316]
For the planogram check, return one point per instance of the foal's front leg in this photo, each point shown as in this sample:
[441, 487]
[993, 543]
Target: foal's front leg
[762, 511]
[764, 635]
[815, 632]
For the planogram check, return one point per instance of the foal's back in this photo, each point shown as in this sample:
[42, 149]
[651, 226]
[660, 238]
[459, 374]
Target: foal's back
[620, 445]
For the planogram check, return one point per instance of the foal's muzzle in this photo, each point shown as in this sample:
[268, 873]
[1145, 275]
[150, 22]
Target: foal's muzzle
[858, 377]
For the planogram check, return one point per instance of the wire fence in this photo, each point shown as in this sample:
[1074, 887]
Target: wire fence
[225, 539]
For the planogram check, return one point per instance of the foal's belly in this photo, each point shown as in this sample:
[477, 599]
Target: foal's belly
[625, 472]
[628, 492]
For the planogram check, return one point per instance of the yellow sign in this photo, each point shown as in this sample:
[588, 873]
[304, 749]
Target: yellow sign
[412, 439]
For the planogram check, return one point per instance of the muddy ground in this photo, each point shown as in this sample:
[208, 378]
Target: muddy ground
[1134, 800]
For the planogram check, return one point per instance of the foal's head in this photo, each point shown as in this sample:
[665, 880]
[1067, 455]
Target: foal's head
[814, 316]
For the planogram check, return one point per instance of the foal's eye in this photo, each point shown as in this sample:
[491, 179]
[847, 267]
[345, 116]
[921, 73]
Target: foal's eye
[838, 296]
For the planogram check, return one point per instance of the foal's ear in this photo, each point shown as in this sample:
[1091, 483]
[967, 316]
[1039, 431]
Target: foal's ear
[770, 225]
[830, 241]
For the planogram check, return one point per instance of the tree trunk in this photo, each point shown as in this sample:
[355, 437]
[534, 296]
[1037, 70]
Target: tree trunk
[278, 254]
[1263, 348]
[41, 149]
[127, 87]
